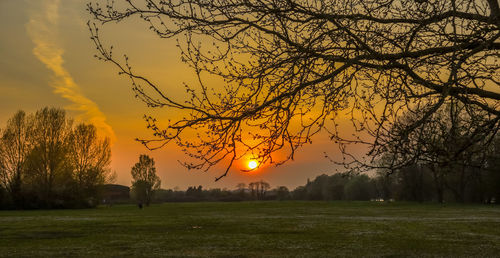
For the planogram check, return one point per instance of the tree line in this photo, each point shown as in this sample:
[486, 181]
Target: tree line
[414, 183]
[339, 186]
[48, 162]
[454, 156]
[474, 179]
[259, 190]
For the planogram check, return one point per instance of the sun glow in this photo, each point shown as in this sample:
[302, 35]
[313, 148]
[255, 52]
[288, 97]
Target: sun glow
[252, 164]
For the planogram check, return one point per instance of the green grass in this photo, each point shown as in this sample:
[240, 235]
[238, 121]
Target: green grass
[255, 229]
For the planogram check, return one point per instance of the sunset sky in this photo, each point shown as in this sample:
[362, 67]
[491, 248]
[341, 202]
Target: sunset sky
[46, 59]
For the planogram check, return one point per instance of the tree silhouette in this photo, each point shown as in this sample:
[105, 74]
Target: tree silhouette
[48, 167]
[145, 181]
[282, 193]
[455, 145]
[293, 68]
[91, 158]
[241, 187]
[14, 149]
[45, 162]
[258, 189]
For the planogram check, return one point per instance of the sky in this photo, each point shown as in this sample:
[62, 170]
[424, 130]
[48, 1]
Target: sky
[47, 59]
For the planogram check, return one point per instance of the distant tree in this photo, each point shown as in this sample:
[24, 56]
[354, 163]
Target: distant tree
[253, 189]
[299, 193]
[454, 145]
[91, 158]
[282, 193]
[258, 189]
[49, 169]
[384, 185]
[163, 195]
[145, 181]
[45, 162]
[336, 185]
[293, 68]
[241, 188]
[415, 183]
[195, 192]
[359, 188]
[14, 149]
[262, 189]
[215, 193]
[317, 189]
[325, 187]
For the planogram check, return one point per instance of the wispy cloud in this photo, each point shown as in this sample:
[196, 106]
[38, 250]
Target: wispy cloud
[42, 29]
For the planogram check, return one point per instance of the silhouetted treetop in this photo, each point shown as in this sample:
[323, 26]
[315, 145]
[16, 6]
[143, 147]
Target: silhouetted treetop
[293, 68]
[46, 162]
[145, 180]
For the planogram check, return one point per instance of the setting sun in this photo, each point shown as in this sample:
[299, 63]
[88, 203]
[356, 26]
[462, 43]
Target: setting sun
[252, 164]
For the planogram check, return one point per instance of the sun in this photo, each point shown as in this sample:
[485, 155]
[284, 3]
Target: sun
[252, 164]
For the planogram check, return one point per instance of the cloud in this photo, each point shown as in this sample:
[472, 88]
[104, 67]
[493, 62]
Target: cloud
[42, 29]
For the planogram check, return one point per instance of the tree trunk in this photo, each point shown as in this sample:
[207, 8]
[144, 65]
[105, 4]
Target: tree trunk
[438, 181]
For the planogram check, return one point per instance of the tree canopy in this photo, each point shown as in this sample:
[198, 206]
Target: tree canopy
[294, 68]
[46, 162]
[145, 180]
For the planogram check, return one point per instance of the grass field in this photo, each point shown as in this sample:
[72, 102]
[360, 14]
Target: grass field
[255, 229]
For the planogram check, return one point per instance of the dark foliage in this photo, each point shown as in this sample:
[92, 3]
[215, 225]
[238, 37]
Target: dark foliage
[114, 194]
[46, 162]
[145, 180]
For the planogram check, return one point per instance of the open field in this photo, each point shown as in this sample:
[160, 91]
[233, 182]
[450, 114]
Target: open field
[255, 229]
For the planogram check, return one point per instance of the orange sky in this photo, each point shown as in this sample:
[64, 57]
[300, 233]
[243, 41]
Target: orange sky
[46, 59]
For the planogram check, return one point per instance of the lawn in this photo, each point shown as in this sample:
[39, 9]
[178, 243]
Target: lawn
[255, 229]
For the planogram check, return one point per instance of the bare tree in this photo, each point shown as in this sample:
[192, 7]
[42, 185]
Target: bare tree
[49, 170]
[258, 189]
[14, 148]
[295, 67]
[253, 187]
[241, 187]
[454, 144]
[91, 158]
[145, 179]
[263, 188]
[46, 162]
